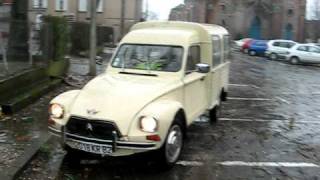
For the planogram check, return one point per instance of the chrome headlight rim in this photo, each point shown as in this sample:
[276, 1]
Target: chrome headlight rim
[55, 112]
[148, 124]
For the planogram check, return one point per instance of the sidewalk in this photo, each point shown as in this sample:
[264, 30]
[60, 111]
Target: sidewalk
[22, 134]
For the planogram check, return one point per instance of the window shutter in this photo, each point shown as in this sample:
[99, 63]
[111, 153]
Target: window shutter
[45, 3]
[36, 3]
[58, 5]
[83, 5]
[65, 5]
[100, 6]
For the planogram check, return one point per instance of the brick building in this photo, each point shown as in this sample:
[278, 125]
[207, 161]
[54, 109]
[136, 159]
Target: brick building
[260, 19]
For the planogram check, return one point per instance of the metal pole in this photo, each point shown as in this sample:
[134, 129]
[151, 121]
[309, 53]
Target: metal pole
[123, 5]
[93, 38]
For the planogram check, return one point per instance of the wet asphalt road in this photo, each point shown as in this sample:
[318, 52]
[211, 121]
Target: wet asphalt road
[272, 117]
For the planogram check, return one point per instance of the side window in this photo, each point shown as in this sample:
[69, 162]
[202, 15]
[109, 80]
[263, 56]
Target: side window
[302, 48]
[226, 43]
[276, 44]
[282, 44]
[193, 58]
[314, 50]
[290, 44]
[216, 51]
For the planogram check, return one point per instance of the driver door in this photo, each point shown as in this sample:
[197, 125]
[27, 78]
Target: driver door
[195, 97]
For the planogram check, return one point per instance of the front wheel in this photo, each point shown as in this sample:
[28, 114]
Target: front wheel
[294, 60]
[172, 147]
[273, 56]
[252, 53]
[214, 114]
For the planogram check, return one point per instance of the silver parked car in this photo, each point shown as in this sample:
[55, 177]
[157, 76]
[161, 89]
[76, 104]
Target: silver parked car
[303, 53]
[277, 49]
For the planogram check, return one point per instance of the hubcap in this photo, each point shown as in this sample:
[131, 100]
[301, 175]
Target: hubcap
[174, 143]
[273, 56]
[294, 61]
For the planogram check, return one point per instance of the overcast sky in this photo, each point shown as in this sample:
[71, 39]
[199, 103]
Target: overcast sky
[163, 7]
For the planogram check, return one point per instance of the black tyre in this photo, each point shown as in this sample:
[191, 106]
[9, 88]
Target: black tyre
[273, 56]
[294, 60]
[214, 114]
[73, 156]
[252, 53]
[171, 149]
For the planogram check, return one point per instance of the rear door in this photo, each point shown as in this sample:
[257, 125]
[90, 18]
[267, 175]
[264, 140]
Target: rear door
[216, 71]
[315, 54]
[303, 54]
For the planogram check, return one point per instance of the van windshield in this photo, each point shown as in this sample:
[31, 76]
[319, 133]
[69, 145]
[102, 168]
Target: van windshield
[149, 57]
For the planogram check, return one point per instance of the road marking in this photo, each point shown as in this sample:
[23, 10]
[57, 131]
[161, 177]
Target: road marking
[245, 85]
[267, 164]
[249, 99]
[190, 163]
[283, 100]
[239, 85]
[294, 93]
[268, 120]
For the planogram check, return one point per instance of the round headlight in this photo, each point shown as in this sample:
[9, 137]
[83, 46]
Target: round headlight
[56, 111]
[148, 124]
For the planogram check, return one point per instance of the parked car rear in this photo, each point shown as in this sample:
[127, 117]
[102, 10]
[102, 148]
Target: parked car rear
[303, 53]
[257, 47]
[239, 43]
[245, 46]
[277, 49]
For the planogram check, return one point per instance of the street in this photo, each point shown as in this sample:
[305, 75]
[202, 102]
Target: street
[268, 129]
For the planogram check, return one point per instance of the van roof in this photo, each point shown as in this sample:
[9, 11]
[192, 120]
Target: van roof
[172, 33]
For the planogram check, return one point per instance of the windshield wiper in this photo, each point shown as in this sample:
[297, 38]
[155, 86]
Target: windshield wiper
[139, 74]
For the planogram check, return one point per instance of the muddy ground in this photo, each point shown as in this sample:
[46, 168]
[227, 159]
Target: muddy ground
[268, 129]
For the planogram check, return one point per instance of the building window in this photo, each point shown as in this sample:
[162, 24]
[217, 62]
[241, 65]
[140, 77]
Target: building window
[83, 5]
[290, 12]
[223, 7]
[61, 5]
[40, 4]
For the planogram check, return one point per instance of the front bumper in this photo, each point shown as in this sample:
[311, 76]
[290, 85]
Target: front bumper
[119, 147]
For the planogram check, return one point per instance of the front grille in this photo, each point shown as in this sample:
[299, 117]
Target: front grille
[91, 128]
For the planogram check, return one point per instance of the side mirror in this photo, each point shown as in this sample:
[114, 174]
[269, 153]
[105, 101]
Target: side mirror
[203, 68]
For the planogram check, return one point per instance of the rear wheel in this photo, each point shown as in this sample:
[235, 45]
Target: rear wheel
[273, 56]
[214, 114]
[245, 51]
[172, 147]
[252, 53]
[294, 60]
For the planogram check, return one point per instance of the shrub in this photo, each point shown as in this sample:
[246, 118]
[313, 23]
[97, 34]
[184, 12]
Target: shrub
[59, 33]
[80, 34]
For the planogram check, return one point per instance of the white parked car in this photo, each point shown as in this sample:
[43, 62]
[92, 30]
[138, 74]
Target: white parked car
[239, 43]
[162, 77]
[277, 49]
[303, 53]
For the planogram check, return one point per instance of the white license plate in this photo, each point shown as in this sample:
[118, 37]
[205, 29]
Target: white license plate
[91, 147]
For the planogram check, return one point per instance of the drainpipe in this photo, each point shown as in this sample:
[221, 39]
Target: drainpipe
[93, 38]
